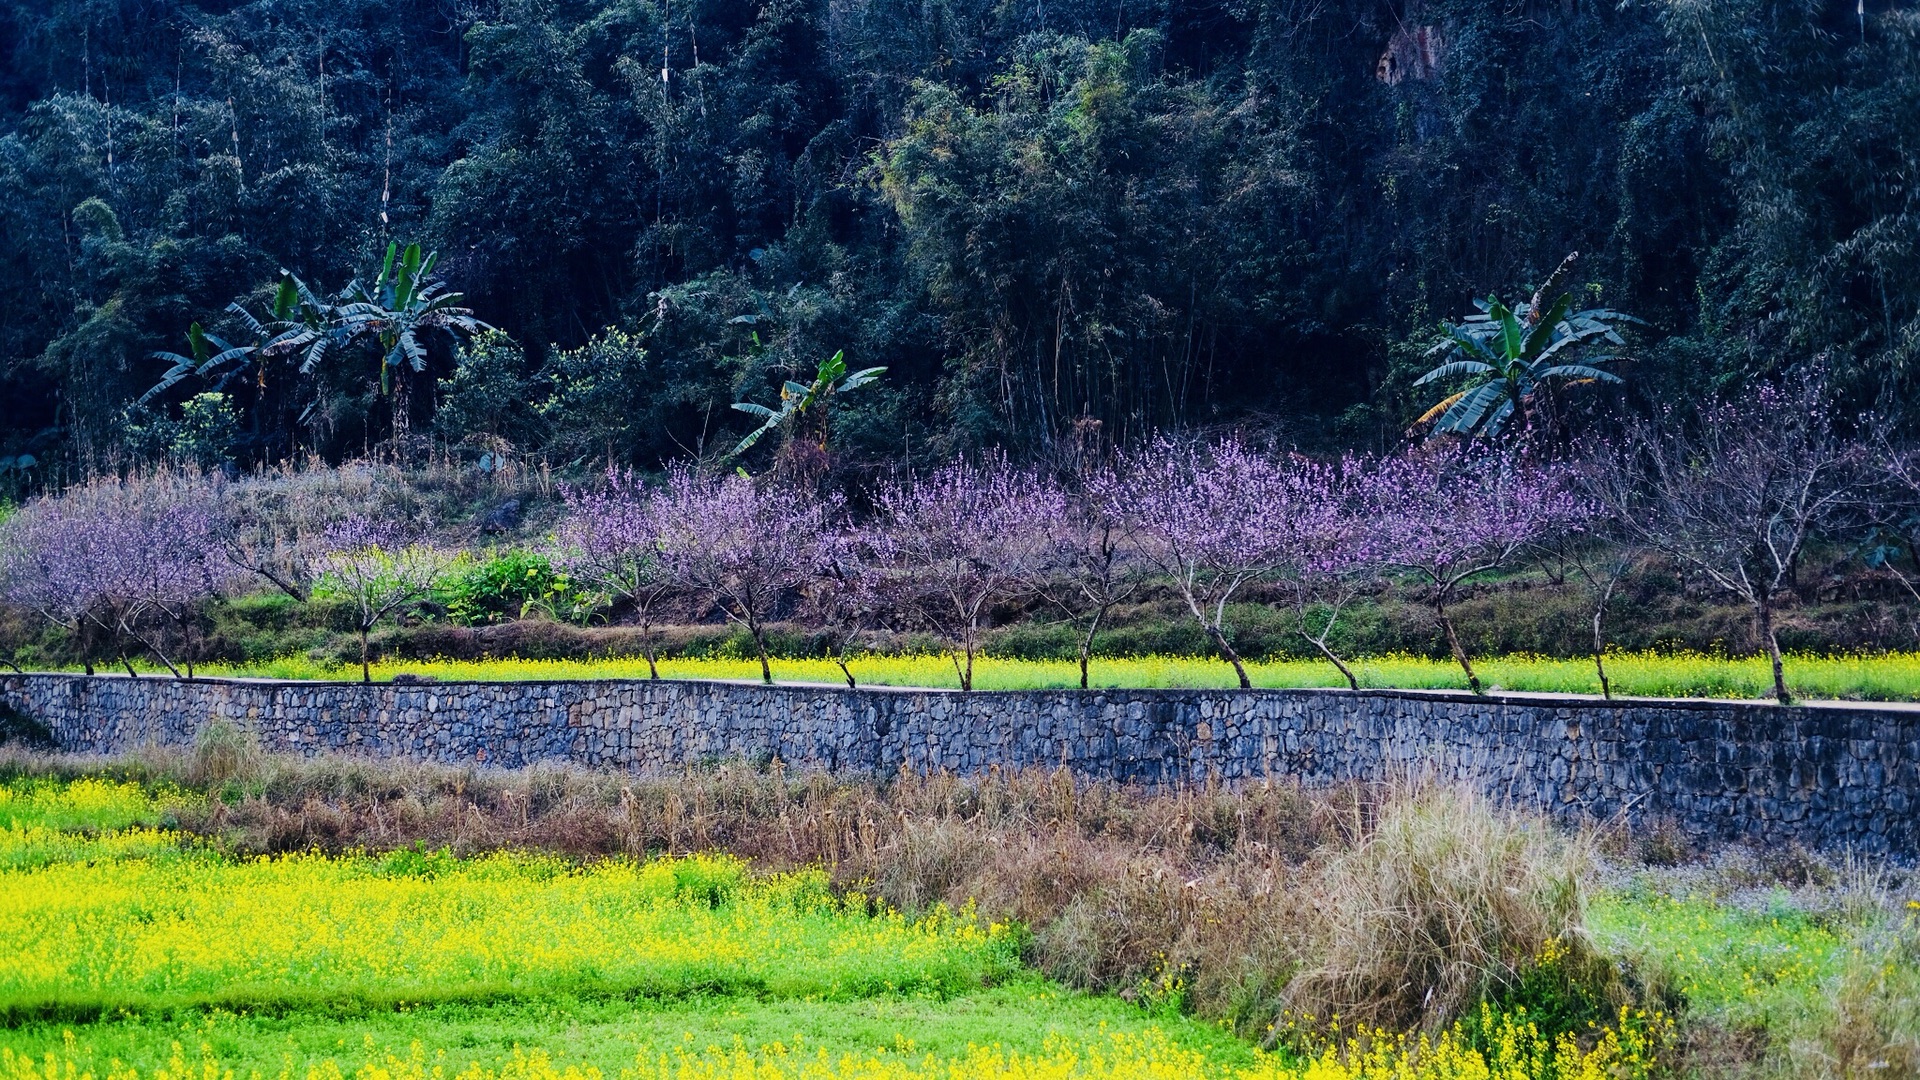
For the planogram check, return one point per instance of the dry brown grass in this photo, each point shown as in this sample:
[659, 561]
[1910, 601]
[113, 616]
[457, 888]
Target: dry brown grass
[1392, 906]
[1445, 901]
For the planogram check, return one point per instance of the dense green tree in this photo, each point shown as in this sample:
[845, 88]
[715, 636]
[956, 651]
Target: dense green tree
[490, 394]
[1042, 219]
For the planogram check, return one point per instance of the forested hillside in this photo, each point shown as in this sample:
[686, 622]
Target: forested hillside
[1034, 214]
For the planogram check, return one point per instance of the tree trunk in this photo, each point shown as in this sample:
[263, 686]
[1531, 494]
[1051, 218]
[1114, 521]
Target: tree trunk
[1352, 682]
[1226, 651]
[760, 645]
[160, 656]
[1763, 614]
[1453, 642]
[127, 662]
[646, 646]
[1599, 654]
[366, 671]
[402, 401]
[1086, 644]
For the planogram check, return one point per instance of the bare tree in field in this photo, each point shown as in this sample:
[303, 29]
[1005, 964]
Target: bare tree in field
[1090, 569]
[1595, 550]
[378, 568]
[1735, 493]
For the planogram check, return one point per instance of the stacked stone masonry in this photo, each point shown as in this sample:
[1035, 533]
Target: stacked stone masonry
[1824, 776]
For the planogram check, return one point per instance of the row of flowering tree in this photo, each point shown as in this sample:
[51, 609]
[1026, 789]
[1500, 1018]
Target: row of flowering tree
[1733, 494]
[944, 550]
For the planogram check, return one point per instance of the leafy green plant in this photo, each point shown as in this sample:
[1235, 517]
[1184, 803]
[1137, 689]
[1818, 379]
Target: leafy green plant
[804, 407]
[204, 433]
[403, 304]
[1517, 356]
[595, 394]
[489, 395]
[510, 585]
[208, 357]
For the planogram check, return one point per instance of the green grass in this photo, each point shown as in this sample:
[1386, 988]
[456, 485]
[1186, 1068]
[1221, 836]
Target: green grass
[1743, 969]
[134, 953]
[1885, 677]
[609, 1033]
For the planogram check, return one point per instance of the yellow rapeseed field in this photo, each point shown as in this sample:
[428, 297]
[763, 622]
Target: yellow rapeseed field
[1515, 1051]
[1881, 677]
[115, 924]
[197, 929]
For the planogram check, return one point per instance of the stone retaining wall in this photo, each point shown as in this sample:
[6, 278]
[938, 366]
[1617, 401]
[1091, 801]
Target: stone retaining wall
[1825, 776]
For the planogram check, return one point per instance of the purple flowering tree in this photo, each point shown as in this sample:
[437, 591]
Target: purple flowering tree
[611, 542]
[1330, 550]
[965, 537]
[131, 556]
[1451, 513]
[1734, 492]
[1091, 566]
[379, 569]
[1212, 518]
[750, 547]
[54, 559]
[850, 594]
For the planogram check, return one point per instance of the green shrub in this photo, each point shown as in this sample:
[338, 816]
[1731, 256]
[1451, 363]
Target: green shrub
[510, 584]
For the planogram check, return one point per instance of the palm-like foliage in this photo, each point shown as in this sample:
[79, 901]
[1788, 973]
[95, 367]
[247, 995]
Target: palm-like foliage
[797, 400]
[397, 312]
[301, 323]
[403, 304]
[1513, 354]
[208, 357]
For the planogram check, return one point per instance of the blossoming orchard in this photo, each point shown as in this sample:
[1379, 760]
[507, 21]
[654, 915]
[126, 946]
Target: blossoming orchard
[121, 563]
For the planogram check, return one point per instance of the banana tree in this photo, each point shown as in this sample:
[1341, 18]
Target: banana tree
[300, 323]
[803, 404]
[397, 311]
[209, 358]
[1516, 355]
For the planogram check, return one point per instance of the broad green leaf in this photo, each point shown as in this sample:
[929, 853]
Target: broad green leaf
[1511, 335]
[1456, 368]
[1543, 331]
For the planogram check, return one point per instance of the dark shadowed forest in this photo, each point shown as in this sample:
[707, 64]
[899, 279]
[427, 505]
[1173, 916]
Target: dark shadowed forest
[1049, 220]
